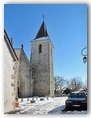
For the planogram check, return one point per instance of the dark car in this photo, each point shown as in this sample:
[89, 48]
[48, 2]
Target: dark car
[76, 100]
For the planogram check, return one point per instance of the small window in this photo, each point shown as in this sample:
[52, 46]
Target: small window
[40, 48]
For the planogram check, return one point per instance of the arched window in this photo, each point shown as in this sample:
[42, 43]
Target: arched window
[40, 48]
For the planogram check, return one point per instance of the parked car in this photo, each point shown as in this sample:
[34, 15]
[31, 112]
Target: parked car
[76, 100]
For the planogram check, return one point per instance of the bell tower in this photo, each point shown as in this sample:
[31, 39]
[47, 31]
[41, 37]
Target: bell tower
[42, 63]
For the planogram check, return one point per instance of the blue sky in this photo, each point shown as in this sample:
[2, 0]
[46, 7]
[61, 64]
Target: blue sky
[67, 28]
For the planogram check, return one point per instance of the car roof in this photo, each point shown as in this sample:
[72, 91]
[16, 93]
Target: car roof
[77, 92]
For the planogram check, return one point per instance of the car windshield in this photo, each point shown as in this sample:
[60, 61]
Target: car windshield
[77, 95]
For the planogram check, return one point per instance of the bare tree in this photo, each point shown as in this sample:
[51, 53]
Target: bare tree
[59, 83]
[85, 85]
[75, 83]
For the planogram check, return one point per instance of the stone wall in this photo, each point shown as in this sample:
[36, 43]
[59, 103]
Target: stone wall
[25, 82]
[10, 80]
[51, 69]
[42, 69]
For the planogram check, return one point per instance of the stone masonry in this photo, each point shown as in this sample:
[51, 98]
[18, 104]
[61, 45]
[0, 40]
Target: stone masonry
[25, 82]
[42, 67]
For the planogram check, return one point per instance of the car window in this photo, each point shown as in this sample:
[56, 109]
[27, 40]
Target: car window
[72, 95]
[81, 95]
[77, 95]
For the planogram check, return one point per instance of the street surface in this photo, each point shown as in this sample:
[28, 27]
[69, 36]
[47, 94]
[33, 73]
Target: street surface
[54, 105]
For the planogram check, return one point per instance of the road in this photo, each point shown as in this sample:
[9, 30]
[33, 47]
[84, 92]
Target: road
[51, 106]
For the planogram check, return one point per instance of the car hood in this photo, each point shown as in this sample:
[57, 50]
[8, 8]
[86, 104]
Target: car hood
[77, 99]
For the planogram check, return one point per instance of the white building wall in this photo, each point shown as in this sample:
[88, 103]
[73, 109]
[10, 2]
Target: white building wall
[9, 90]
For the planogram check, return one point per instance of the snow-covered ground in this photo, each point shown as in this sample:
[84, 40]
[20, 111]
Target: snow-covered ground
[51, 106]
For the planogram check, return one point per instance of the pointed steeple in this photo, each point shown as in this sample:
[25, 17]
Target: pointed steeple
[42, 31]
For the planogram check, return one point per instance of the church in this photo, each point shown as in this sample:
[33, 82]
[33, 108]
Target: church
[25, 78]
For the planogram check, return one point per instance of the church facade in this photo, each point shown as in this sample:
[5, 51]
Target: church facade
[34, 77]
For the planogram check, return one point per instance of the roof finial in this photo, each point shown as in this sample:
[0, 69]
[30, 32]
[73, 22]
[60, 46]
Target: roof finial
[22, 46]
[43, 17]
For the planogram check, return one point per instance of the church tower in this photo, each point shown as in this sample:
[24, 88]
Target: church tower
[42, 63]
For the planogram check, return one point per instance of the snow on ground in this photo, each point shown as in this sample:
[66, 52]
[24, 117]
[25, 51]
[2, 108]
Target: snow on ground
[50, 106]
